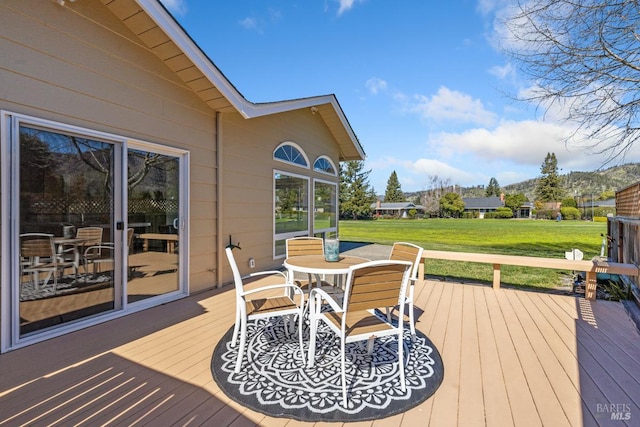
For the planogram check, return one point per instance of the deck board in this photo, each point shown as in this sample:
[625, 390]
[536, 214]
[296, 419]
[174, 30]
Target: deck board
[511, 358]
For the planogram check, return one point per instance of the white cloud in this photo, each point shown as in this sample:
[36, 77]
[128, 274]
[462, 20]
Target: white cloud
[375, 85]
[179, 7]
[249, 23]
[503, 72]
[451, 105]
[346, 5]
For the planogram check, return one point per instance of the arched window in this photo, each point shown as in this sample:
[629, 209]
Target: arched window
[289, 152]
[325, 165]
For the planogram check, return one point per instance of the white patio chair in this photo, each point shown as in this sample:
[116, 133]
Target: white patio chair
[249, 306]
[307, 245]
[403, 251]
[369, 286]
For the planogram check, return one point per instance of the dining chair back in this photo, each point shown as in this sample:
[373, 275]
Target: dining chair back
[369, 286]
[304, 246]
[86, 237]
[307, 245]
[403, 251]
[269, 301]
[38, 254]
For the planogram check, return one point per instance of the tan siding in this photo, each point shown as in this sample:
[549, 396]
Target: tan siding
[248, 167]
[80, 65]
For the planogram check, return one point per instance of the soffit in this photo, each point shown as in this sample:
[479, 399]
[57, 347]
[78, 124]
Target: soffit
[157, 40]
[175, 48]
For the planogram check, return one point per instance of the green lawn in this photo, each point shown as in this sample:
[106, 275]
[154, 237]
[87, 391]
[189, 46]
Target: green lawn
[511, 237]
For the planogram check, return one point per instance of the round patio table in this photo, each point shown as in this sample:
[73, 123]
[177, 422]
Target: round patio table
[318, 266]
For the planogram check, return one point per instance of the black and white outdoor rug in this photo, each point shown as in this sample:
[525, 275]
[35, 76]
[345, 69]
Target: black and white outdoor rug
[274, 381]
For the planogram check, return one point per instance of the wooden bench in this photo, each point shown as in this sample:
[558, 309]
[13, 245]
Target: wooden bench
[590, 267]
[171, 239]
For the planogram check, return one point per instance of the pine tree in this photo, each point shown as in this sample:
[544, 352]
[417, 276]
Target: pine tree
[493, 189]
[548, 186]
[356, 194]
[394, 192]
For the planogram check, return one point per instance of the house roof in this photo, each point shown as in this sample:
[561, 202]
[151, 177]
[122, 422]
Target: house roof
[396, 206]
[482, 202]
[164, 36]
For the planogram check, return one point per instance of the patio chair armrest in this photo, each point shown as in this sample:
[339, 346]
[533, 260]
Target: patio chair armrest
[108, 246]
[266, 272]
[294, 288]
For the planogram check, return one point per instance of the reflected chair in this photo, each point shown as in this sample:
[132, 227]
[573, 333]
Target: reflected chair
[90, 236]
[403, 251]
[369, 285]
[249, 306]
[74, 252]
[38, 254]
[103, 253]
[306, 245]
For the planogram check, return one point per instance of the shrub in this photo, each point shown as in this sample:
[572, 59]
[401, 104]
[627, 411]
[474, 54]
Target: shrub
[570, 213]
[504, 213]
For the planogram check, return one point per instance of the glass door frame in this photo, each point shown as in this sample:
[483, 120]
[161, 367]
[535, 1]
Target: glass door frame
[183, 224]
[10, 123]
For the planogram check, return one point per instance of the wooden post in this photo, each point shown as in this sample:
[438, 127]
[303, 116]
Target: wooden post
[591, 285]
[496, 276]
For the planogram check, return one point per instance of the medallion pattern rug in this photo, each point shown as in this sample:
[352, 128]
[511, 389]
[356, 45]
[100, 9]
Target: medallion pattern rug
[274, 381]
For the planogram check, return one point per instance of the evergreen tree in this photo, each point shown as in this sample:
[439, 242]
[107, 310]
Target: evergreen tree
[451, 205]
[548, 186]
[394, 192]
[356, 194]
[514, 202]
[493, 189]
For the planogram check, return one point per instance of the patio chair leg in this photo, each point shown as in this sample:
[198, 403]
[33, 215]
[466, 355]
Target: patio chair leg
[313, 326]
[370, 343]
[300, 339]
[401, 361]
[243, 340]
[343, 374]
[235, 328]
[412, 322]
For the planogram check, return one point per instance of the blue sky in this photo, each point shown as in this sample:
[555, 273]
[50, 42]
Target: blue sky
[422, 83]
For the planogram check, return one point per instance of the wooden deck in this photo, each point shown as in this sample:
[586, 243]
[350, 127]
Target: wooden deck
[511, 358]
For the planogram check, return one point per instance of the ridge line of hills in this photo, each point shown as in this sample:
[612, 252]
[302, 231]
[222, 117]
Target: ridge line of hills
[597, 185]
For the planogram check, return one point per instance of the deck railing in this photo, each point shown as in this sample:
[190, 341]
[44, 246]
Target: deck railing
[592, 268]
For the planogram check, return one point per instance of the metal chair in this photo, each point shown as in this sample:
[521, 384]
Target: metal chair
[306, 245]
[249, 306]
[38, 254]
[369, 286]
[403, 251]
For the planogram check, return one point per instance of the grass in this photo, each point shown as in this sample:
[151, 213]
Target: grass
[548, 239]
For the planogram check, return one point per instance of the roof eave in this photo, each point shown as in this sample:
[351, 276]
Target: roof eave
[248, 109]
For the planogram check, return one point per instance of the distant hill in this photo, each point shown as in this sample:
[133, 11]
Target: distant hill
[601, 184]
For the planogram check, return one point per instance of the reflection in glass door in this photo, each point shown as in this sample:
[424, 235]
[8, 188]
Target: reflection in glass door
[66, 240]
[153, 221]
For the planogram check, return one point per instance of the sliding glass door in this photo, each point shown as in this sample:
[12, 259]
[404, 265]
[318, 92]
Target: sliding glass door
[93, 227]
[154, 220]
[67, 188]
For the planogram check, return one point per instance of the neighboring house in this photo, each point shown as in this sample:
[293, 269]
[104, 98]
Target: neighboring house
[586, 207]
[113, 117]
[481, 205]
[396, 209]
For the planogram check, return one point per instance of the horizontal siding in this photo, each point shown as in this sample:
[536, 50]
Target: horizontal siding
[80, 65]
